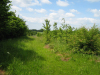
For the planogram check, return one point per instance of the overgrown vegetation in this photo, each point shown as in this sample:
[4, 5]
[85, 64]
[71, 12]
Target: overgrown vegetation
[10, 25]
[79, 40]
[77, 49]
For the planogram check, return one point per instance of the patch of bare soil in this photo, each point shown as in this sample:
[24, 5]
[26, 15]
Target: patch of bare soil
[2, 72]
[47, 46]
[62, 56]
[65, 59]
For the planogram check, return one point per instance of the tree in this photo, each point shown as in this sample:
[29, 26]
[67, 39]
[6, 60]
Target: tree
[47, 30]
[17, 27]
[10, 25]
[4, 17]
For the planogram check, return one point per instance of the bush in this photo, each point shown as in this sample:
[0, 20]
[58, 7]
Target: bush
[39, 34]
[85, 41]
[30, 32]
[10, 25]
[17, 27]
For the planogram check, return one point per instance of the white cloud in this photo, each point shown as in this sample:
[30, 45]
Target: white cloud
[74, 11]
[29, 9]
[70, 15]
[31, 19]
[56, 17]
[52, 10]
[93, 0]
[40, 11]
[46, 1]
[91, 20]
[60, 11]
[18, 9]
[62, 3]
[25, 3]
[53, 16]
[78, 22]
[15, 8]
[96, 12]
[36, 10]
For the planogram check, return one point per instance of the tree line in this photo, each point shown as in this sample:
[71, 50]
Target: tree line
[31, 32]
[11, 26]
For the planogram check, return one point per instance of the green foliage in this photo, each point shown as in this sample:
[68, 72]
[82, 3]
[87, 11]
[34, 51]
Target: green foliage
[34, 31]
[64, 31]
[41, 30]
[60, 34]
[10, 25]
[27, 56]
[47, 31]
[4, 17]
[17, 27]
[55, 26]
[85, 41]
[78, 40]
[47, 26]
[39, 34]
[55, 31]
[31, 32]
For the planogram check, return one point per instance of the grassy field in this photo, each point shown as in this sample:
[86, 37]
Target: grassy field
[30, 56]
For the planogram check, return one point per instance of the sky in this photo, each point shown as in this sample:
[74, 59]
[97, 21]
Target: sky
[77, 13]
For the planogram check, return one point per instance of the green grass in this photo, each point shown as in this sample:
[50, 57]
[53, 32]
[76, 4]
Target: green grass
[29, 57]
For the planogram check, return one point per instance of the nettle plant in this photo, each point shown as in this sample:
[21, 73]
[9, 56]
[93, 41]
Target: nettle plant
[85, 41]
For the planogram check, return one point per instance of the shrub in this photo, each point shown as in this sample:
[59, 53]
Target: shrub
[30, 32]
[85, 41]
[39, 34]
[17, 27]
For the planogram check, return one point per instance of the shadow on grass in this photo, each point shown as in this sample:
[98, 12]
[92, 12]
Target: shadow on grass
[15, 48]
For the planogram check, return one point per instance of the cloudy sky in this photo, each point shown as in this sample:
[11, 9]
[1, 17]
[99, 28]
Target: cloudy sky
[77, 13]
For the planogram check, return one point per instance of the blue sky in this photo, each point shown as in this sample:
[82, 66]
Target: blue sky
[77, 13]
